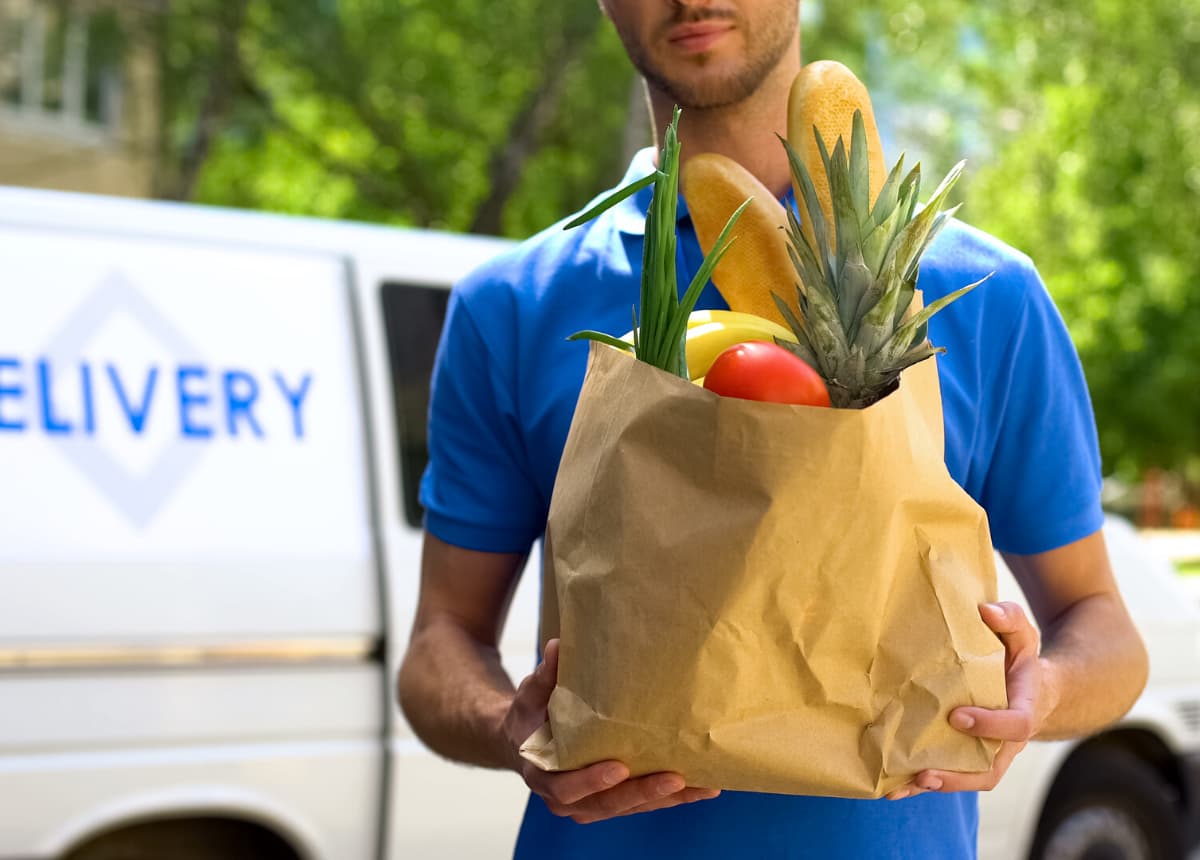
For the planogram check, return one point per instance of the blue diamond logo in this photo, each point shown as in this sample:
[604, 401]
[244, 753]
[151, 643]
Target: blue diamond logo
[139, 497]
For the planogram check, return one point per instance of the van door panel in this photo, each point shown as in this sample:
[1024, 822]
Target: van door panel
[181, 443]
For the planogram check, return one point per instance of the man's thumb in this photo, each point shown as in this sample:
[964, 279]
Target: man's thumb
[546, 674]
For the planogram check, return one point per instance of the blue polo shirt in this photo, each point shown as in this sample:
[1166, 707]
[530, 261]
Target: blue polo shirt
[1020, 439]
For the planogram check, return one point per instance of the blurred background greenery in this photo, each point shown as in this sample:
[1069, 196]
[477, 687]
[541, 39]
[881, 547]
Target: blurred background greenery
[1081, 123]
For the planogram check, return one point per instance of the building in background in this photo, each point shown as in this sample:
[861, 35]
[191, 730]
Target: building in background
[77, 97]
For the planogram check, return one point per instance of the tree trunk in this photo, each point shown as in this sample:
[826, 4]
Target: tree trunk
[531, 121]
[214, 109]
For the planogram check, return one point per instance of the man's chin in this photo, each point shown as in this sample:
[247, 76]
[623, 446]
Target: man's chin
[707, 94]
[707, 82]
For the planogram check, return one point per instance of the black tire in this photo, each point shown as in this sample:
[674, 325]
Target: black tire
[194, 839]
[1107, 804]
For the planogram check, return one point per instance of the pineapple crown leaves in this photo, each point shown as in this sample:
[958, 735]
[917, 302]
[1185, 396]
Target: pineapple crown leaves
[858, 275]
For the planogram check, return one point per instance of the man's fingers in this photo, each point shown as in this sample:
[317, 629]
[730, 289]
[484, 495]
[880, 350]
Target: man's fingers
[1013, 725]
[1023, 682]
[1009, 622]
[550, 657]
[547, 671]
[570, 787]
[950, 781]
[1017, 721]
[1007, 725]
[631, 793]
[688, 795]
[907, 791]
[535, 690]
[621, 798]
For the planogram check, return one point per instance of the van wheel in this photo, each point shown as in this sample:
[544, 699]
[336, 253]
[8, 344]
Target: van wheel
[1107, 804]
[191, 839]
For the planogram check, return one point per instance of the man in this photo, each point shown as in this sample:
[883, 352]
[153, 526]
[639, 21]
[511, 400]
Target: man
[1019, 438]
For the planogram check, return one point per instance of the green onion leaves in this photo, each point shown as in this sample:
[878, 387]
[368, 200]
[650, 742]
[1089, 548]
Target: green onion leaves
[660, 328]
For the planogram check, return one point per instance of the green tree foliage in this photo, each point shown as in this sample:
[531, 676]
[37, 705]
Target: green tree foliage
[1082, 122]
[1100, 181]
[459, 115]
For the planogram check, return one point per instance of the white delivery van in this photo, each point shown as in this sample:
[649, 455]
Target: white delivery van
[211, 433]
[211, 429]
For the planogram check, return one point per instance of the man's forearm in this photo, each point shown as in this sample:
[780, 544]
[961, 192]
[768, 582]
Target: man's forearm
[455, 693]
[1095, 667]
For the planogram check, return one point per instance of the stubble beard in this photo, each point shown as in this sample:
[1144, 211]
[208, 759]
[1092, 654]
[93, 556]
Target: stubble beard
[764, 51]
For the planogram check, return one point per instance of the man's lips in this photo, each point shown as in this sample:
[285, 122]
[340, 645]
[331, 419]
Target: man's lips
[698, 37]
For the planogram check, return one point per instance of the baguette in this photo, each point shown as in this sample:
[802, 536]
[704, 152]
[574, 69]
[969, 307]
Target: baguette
[825, 95]
[757, 263]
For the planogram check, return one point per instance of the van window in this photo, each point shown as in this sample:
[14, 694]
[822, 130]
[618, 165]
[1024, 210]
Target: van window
[412, 316]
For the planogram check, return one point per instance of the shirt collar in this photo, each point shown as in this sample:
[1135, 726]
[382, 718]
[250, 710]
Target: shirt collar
[630, 213]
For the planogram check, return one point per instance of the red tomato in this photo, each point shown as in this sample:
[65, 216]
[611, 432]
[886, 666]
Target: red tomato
[765, 371]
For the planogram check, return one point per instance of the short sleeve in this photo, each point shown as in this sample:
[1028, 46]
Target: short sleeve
[1042, 487]
[476, 490]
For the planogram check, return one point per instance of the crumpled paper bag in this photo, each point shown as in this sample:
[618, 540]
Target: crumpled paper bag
[763, 597]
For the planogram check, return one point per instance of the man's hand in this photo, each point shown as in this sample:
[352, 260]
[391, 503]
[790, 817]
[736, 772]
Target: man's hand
[594, 793]
[1014, 726]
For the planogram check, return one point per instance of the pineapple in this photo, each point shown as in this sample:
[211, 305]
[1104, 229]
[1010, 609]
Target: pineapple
[858, 275]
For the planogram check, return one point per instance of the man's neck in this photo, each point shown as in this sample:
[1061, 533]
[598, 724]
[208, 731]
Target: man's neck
[745, 132]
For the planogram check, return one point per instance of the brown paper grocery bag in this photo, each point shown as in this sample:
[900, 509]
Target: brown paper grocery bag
[763, 597]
